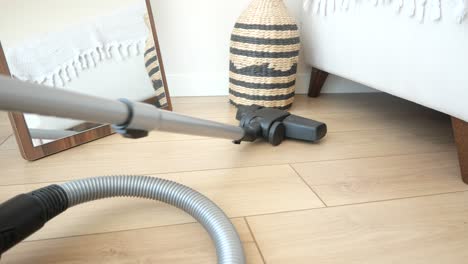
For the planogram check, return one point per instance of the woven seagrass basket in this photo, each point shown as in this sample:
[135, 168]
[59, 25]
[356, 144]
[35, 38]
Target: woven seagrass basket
[153, 68]
[264, 54]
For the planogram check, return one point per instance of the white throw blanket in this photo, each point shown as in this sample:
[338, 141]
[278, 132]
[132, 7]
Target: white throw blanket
[415, 8]
[58, 57]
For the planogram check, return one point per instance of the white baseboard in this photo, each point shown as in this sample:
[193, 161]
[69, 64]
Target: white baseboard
[212, 84]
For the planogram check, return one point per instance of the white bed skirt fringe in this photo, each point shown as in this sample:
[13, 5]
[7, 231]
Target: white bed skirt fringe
[414, 8]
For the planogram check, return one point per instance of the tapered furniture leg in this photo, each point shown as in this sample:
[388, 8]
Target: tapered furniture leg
[317, 79]
[460, 130]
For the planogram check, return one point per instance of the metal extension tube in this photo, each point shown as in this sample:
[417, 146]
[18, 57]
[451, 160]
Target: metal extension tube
[18, 96]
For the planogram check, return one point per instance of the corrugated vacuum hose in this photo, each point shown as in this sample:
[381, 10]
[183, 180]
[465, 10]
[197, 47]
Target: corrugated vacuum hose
[26, 213]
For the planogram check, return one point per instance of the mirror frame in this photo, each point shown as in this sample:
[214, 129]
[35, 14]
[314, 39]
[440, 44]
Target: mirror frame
[21, 131]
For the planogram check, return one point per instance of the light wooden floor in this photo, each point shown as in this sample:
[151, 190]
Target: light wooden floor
[383, 187]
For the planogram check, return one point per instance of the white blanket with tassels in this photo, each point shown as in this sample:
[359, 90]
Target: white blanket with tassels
[58, 57]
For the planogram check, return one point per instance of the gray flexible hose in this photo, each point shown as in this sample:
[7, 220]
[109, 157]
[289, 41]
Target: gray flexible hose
[228, 245]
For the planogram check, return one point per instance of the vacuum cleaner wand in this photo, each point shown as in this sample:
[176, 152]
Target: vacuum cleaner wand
[18, 96]
[135, 119]
[24, 214]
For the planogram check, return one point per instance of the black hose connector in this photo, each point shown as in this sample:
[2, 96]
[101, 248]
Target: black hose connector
[123, 129]
[25, 214]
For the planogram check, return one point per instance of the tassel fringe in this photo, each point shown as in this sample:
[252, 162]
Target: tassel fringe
[71, 70]
[414, 8]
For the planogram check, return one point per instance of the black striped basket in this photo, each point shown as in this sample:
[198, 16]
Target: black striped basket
[264, 55]
[153, 68]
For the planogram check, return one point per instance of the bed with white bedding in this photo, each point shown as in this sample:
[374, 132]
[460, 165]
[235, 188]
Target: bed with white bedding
[418, 52]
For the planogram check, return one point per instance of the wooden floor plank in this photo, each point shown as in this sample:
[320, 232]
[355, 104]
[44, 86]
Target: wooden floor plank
[341, 122]
[163, 157]
[421, 230]
[364, 180]
[172, 245]
[350, 118]
[240, 192]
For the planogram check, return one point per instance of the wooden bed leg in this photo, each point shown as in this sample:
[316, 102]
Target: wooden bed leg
[460, 130]
[317, 79]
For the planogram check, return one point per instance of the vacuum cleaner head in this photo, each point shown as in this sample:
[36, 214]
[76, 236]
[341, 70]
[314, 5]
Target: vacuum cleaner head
[275, 125]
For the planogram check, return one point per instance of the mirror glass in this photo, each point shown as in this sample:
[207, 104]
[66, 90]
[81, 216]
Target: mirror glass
[104, 48]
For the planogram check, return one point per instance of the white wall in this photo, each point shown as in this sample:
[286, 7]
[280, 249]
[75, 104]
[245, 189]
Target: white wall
[194, 38]
[22, 19]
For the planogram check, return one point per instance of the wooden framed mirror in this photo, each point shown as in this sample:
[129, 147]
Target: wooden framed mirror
[105, 48]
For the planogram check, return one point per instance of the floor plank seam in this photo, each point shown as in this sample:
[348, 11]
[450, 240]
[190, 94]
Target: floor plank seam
[354, 204]
[5, 140]
[155, 174]
[378, 156]
[116, 231]
[255, 240]
[398, 199]
[341, 183]
[308, 185]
